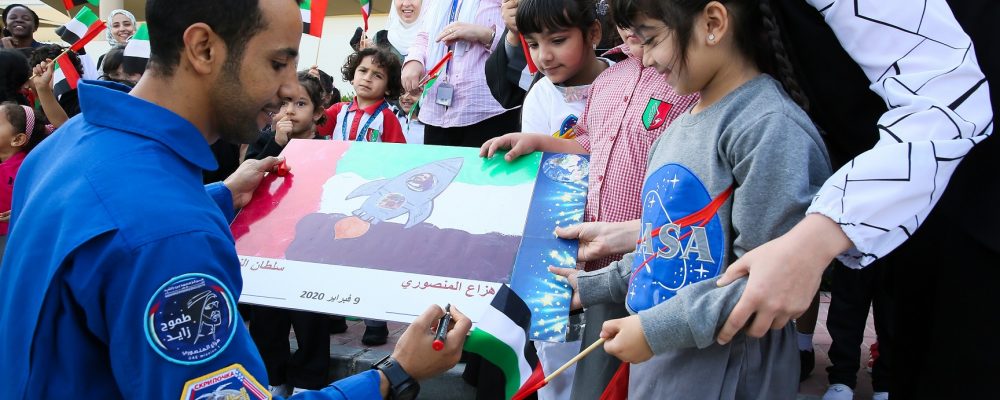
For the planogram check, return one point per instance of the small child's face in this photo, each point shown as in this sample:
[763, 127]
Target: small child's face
[560, 55]
[300, 109]
[9, 136]
[661, 52]
[408, 99]
[370, 80]
[633, 42]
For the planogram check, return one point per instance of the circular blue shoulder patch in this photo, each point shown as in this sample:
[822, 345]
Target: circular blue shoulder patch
[190, 319]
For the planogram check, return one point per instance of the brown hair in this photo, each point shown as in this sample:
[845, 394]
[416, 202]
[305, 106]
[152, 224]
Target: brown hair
[19, 120]
[315, 90]
[382, 58]
[756, 33]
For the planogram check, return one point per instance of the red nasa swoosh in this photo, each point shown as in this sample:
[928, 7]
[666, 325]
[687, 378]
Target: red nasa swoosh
[701, 217]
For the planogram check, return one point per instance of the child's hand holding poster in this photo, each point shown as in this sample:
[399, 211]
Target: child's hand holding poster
[380, 231]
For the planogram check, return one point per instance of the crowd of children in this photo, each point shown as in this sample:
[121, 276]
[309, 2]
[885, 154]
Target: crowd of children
[704, 143]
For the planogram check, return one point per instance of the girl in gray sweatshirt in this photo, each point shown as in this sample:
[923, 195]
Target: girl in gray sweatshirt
[737, 170]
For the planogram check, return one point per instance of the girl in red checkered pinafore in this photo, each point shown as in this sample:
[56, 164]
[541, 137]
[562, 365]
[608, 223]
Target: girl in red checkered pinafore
[627, 107]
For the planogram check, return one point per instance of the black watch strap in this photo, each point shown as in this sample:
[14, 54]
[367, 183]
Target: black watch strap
[401, 385]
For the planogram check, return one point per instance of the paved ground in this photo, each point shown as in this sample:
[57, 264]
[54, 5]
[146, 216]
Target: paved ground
[350, 356]
[815, 386]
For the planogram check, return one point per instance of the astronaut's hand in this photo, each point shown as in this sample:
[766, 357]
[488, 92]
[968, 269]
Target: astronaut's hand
[244, 181]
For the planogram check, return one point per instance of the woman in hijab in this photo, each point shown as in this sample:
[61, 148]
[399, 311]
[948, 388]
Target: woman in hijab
[121, 27]
[404, 24]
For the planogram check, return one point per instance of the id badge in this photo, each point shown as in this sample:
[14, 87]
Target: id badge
[444, 94]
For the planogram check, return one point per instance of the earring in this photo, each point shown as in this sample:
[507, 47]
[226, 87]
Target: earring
[711, 37]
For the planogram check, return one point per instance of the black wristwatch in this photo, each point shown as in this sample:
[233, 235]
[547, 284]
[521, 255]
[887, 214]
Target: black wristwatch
[401, 385]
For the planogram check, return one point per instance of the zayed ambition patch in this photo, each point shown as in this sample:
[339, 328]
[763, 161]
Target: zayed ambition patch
[190, 319]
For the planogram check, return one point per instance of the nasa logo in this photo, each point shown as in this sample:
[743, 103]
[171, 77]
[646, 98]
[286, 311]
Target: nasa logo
[681, 242]
[190, 319]
[232, 382]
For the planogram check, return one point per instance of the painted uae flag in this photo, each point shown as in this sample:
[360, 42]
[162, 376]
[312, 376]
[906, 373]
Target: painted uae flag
[64, 76]
[501, 337]
[81, 29]
[137, 50]
[366, 10]
[313, 14]
[69, 4]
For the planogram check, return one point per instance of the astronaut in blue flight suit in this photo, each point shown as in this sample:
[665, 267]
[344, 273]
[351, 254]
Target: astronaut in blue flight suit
[121, 277]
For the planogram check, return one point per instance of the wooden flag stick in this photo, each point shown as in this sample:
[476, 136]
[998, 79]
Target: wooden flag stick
[521, 394]
[574, 360]
[318, 45]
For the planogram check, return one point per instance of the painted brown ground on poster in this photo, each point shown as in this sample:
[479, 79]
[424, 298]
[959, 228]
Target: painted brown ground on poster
[421, 249]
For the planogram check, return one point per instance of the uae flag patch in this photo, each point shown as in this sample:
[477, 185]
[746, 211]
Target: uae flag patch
[655, 114]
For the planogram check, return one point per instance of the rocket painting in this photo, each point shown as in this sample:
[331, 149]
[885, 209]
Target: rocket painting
[411, 193]
[371, 218]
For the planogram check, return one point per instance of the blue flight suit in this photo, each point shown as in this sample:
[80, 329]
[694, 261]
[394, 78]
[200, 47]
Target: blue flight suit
[120, 278]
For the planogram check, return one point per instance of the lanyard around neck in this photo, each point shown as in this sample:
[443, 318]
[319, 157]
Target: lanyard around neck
[451, 18]
[361, 134]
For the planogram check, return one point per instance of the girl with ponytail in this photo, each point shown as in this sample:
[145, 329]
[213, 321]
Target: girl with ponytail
[20, 131]
[735, 171]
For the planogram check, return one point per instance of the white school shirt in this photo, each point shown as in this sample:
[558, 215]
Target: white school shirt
[412, 130]
[553, 110]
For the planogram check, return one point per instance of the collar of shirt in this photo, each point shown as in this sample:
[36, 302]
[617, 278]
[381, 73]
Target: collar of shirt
[105, 104]
[13, 162]
[622, 49]
[370, 110]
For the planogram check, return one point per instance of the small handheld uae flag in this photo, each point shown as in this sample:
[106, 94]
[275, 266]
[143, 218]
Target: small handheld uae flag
[69, 4]
[430, 79]
[532, 69]
[137, 50]
[80, 30]
[501, 337]
[64, 76]
[366, 10]
[313, 14]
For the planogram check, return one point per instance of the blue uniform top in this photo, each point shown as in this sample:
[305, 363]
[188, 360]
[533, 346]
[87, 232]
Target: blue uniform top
[120, 278]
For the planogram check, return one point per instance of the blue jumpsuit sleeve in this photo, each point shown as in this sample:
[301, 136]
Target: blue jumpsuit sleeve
[171, 324]
[223, 198]
[363, 386]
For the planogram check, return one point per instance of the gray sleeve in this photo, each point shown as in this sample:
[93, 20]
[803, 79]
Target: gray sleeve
[692, 317]
[607, 284]
[517, 61]
[778, 164]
